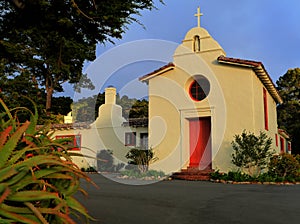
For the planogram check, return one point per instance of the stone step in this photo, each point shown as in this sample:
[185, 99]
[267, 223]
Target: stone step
[191, 178]
[192, 174]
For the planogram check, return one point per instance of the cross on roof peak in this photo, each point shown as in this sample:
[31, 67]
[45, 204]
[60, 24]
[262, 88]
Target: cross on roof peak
[199, 14]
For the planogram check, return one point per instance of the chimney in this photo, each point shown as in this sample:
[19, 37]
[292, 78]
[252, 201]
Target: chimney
[110, 95]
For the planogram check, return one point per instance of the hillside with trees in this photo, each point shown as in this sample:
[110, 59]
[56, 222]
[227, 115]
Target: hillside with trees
[131, 107]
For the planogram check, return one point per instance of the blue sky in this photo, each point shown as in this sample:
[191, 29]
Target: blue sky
[261, 30]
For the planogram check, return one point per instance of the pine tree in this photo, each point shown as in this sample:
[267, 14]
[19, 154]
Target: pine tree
[289, 111]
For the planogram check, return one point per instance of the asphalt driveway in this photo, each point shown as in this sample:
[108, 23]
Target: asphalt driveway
[188, 202]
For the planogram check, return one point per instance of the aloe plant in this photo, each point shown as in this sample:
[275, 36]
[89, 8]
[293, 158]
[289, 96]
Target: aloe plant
[38, 179]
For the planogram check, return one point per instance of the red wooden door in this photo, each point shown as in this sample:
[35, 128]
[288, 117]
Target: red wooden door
[200, 143]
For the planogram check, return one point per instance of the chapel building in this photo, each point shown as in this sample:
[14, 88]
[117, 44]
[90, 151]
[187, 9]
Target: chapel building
[201, 100]
[197, 104]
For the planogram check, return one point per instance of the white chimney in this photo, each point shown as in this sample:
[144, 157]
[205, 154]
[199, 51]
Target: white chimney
[110, 95]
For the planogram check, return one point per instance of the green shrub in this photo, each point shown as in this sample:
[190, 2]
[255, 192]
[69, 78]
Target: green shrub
[38, 179]
[141, 158]
[238, 176]
[265, 177]
[136, 173]
[155, 173]
[131, 173]
[297, 157]
[284, 166]
[91, 169]
[251, 152]
[105, 161]
[216, 175]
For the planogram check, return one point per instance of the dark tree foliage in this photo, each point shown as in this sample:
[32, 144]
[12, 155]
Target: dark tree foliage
[51, 39]
[289, 111]
[139, 109]
[131, 107]
[62, 105]
[17, 90]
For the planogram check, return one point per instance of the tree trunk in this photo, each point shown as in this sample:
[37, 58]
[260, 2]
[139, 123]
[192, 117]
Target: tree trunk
[49, 92]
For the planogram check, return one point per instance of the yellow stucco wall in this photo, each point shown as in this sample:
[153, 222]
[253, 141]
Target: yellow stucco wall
[235, 103]
[107, 132]
[89, 143]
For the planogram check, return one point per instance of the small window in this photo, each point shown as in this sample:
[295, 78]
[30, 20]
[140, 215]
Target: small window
[199, 88]
[144, 141]
[74, 143]
[130, 139]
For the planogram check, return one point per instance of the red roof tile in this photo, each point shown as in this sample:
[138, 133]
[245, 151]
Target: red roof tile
[147, 76]
[136, 122]
[260, 72]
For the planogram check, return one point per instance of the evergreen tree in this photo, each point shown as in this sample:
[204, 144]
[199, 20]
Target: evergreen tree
[289, 111]
[51, 39]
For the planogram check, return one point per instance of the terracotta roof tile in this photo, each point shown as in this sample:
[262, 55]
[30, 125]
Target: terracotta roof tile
[81, 125]
[260, 72]
[239, 61]
[147, 76]
[136, 122]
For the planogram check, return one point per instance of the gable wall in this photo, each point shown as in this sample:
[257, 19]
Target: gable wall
[243, 93]
[169, 100]
[259, 112]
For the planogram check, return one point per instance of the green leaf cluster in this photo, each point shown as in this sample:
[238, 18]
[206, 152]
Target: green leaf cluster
[51, 40]
[285, 166]
[38, 179]
[251, 152]
[141, 158]
[281, 168]
[133, 173]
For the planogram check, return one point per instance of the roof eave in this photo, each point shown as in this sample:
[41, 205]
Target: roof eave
[157, 72]
[260, 72]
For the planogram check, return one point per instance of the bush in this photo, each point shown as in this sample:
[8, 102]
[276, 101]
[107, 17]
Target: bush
[231, 176]
[105, 162]
[238, 176]
[91, 169]
[251, 152]
[138, 174]
[141, 158]
[285, 166]
[216, 175]
[38, 179]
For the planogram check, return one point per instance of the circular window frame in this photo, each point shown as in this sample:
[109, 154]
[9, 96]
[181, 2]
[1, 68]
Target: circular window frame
[197, 80]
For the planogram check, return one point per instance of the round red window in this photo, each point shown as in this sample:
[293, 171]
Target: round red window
[199, 88]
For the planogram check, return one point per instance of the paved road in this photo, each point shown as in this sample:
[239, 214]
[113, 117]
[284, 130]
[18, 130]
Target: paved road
[185, 202]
